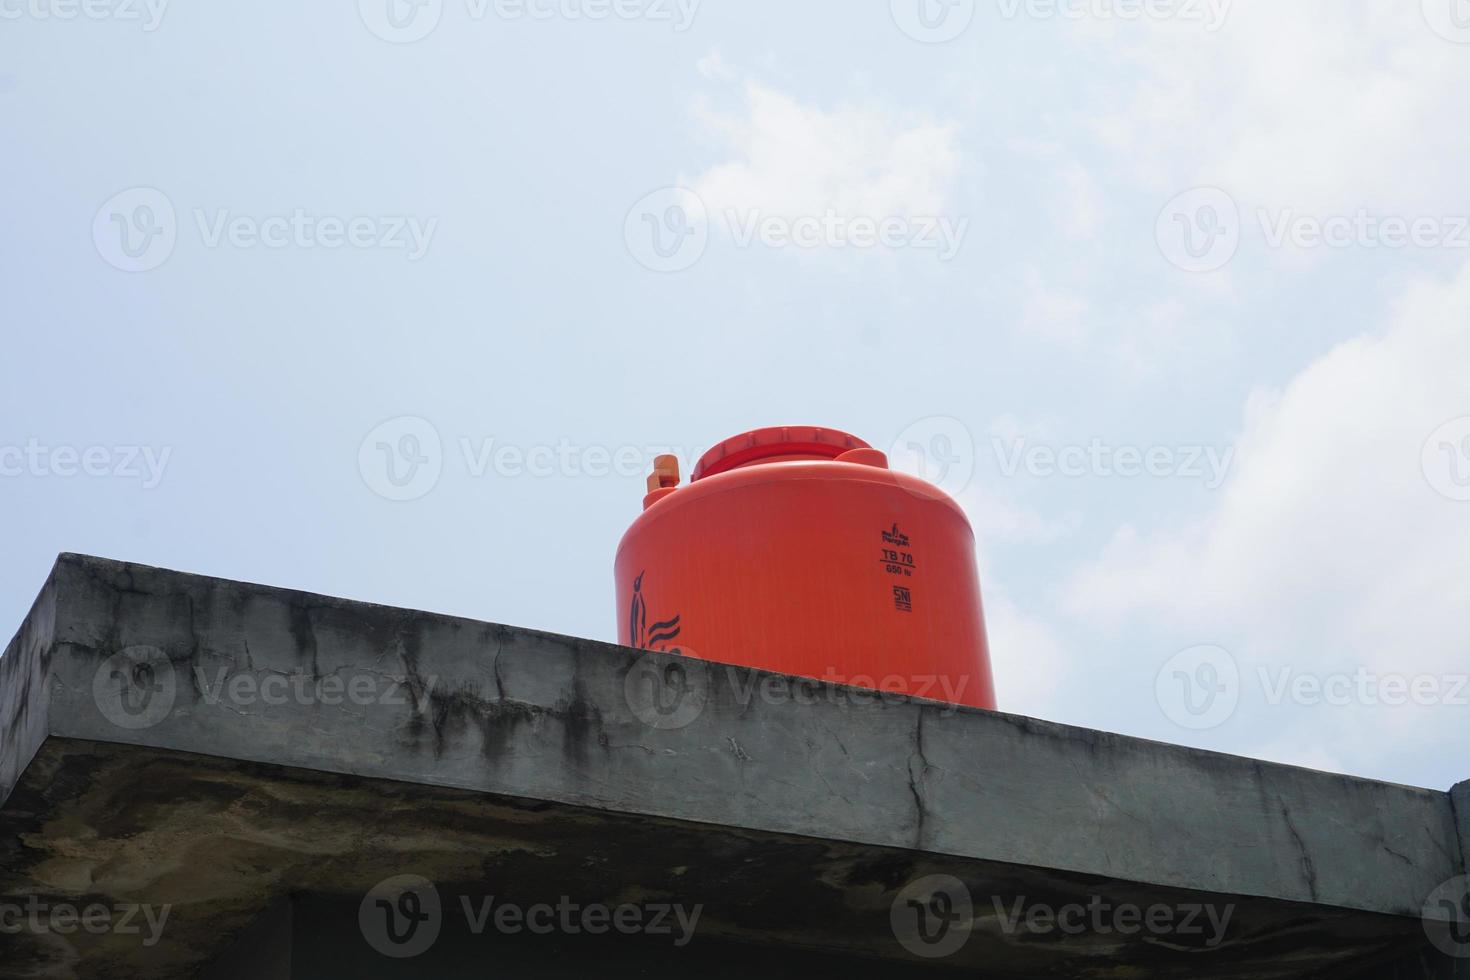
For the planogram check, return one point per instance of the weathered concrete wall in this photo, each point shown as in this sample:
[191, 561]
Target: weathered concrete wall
[1460, 802]
[24, 669]
[453, 702]
[220, 843]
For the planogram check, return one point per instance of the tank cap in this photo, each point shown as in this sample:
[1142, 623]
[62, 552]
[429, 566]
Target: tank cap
[778, 442]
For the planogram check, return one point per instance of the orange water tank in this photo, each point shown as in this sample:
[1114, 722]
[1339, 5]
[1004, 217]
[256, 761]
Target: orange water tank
[795, 549]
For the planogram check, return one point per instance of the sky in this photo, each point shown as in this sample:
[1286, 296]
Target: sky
[397, 301]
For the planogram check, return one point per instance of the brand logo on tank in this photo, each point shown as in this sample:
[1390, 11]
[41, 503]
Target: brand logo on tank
[645, 635]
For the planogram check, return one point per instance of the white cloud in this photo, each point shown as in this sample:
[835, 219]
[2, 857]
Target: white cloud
[1313, 104]
[712, 66]
[1054, 316]
[1078, 207]
[999, 520]
[1026, 657]
[791, 159]
[1329, 548]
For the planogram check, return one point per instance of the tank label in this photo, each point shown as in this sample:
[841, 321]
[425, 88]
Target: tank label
[897, 558]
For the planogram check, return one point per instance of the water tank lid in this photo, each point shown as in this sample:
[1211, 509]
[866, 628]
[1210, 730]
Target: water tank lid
[776, 442]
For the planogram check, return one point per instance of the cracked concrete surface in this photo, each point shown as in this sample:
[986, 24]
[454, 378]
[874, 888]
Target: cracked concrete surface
[262, 684]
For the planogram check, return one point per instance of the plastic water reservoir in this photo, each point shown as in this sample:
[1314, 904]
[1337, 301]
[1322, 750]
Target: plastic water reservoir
[795, 549]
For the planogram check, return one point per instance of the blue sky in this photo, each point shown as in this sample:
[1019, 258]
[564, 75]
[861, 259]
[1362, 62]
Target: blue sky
[1174, 296]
